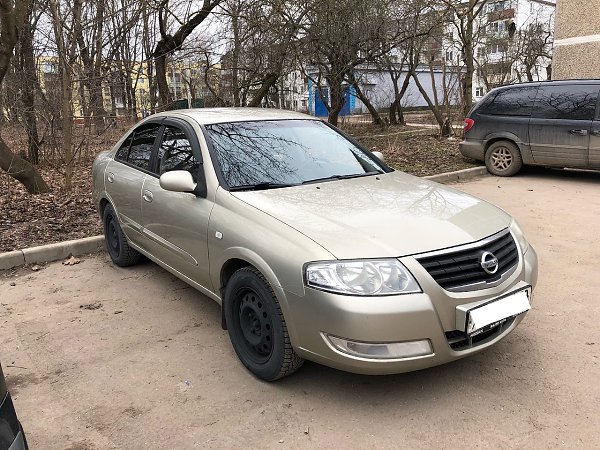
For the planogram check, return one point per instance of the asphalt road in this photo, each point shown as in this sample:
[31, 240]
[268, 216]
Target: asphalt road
[99, 357]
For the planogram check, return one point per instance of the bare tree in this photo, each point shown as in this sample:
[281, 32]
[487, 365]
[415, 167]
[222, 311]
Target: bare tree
[464, 17]
[170, 43]
[12, 18]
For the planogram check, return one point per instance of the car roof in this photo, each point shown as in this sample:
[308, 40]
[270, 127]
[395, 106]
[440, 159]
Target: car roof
[550, 83]
[209, 116]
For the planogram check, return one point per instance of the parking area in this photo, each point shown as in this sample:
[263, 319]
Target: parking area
[99, 357]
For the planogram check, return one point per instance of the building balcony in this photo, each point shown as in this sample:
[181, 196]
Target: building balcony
[505, 14]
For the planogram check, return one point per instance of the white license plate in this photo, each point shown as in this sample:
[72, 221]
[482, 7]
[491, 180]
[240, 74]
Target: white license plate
[494, 313]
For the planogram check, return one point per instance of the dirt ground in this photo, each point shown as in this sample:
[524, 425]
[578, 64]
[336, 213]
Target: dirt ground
[103, 358]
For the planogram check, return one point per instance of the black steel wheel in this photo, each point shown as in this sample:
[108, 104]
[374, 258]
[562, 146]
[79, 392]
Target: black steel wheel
[257, 327]
[116, 242]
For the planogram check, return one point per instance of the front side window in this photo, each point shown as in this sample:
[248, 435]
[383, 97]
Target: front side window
[175, 153]
[516, 101]
[285, 152]
[142, 145]
[576, 102]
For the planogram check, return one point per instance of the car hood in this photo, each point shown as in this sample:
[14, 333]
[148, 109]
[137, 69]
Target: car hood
[389, 215]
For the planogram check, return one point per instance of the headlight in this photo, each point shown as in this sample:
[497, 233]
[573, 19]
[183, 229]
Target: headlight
[361, 277]
[519, 236]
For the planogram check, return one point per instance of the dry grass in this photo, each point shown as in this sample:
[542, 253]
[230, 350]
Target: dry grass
[411, 150]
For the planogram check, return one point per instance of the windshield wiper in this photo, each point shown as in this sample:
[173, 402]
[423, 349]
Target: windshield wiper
[341, 177]
[260, 186]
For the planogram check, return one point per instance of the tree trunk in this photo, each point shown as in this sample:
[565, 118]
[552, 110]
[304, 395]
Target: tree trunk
[164, 95]
[377, 119]
[444, 124]
[336, 95]
[267, 83]
[28, 89]
[11, 19]
[21, 170]
[469, 59]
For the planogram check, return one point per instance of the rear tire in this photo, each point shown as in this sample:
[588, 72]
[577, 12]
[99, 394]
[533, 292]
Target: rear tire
[503, 159]
[257, 327]
[116, 243]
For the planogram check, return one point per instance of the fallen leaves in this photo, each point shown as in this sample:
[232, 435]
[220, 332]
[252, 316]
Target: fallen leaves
[91, 306]
[71, 261]
[416, 153]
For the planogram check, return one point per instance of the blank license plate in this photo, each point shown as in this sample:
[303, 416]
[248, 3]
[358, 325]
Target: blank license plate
[484, 317]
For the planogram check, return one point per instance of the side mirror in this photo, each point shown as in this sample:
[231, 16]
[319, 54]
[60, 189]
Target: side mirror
[177, 181]
[379, 156]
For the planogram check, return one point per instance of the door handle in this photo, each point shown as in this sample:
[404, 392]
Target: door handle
[147, 196]
[110, 177]
[579, 132]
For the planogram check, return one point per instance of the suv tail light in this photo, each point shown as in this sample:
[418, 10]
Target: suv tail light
[469, 123]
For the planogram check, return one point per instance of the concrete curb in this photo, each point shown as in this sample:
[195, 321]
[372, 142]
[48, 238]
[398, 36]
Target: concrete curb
[459, 175]
[62, 250]
[51, 252]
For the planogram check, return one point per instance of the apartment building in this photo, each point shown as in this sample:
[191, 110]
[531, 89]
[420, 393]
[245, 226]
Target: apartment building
[577, 41]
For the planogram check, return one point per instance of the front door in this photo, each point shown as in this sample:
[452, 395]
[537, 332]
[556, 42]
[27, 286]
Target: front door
[561, 122]
[176, 223]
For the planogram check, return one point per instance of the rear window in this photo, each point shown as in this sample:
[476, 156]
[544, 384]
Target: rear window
[516, 101]
[575, 102]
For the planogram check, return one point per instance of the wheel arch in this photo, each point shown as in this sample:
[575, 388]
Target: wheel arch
[523, 147]
[236, 259]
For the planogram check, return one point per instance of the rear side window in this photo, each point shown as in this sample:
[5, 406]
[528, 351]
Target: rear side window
[123, 151]
[575, 102]
[516, 101]
[175, 153]
[140, 151]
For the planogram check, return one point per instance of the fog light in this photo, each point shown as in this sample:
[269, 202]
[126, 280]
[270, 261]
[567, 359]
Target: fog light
[391, 350]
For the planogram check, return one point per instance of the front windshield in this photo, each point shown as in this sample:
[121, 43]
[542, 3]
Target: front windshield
[285, 152]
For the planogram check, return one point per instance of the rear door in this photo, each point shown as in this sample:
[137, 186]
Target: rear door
[560, 124]
[594, 154]
[124, 177]
[176, 223]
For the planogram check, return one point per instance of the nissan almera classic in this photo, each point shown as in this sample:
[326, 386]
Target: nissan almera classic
[313, 247]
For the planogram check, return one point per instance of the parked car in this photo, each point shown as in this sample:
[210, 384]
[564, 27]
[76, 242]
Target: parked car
[12, 436]
[554, 124]
[313, 247]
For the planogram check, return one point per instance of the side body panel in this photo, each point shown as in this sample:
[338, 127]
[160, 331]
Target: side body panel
[124, 187]
[175, 225]
[554, 143]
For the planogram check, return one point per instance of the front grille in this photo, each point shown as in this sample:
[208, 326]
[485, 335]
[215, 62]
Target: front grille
[459, 269]
[459, 340]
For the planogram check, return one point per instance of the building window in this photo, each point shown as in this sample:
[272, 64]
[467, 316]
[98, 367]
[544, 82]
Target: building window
[497, 6]
[48, 68]
[449, 56]
[479, 92]
[497, 48]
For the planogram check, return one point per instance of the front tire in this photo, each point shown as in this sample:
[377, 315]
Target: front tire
[503, 159]
[257, 328]
[116, 242]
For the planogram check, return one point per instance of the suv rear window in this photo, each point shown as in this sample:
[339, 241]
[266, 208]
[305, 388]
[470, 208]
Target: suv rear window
[574, 102]
[515, 101]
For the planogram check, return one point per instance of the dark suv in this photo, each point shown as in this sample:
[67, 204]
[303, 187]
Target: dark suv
[553, 123]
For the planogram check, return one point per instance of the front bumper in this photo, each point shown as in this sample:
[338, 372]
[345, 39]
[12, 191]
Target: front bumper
[473, 149]
[11, 433]
[405, 318]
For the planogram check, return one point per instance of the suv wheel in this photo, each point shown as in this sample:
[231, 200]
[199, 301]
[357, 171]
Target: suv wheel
[257, 327]
[503, 159]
